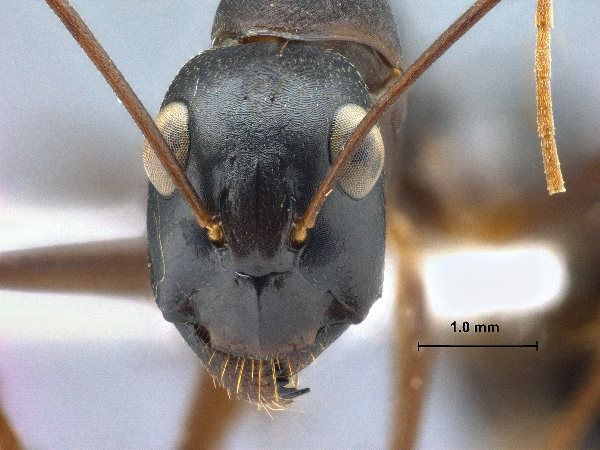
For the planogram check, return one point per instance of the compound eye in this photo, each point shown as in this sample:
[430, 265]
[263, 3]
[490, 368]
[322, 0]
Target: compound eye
[172, 121]
[363, 170]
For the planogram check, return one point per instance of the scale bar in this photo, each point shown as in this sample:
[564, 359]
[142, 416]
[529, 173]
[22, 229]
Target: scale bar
[419, 345]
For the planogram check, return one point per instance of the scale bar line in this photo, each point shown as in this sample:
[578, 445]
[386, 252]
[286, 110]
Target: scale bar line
[536, 346]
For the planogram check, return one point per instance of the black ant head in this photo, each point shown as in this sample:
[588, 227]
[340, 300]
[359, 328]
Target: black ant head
[257, 129]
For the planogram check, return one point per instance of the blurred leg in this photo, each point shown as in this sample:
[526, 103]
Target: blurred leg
[411, 320]
[571, 427]
[8, 438]
[118, 267]
[211, 416]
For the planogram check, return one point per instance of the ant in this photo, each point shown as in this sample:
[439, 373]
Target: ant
[259, 396]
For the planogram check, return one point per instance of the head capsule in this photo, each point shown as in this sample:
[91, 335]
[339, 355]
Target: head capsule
[262, 123]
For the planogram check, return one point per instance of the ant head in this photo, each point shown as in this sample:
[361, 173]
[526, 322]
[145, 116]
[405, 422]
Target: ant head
[263, 127]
